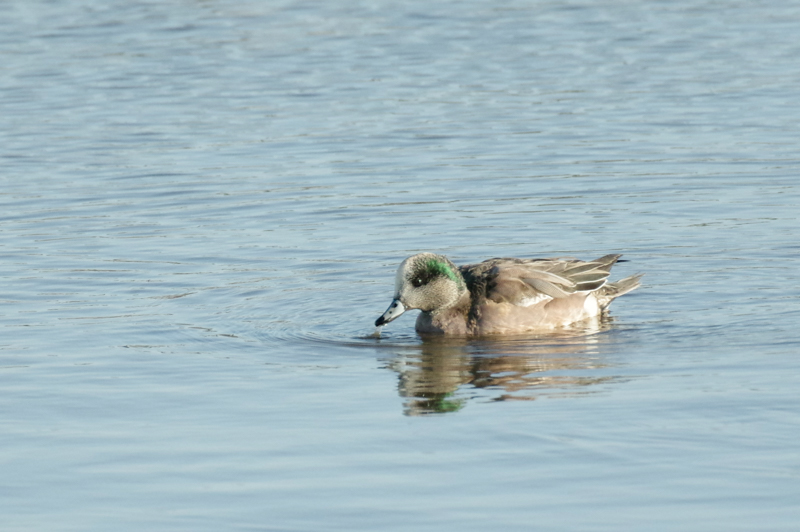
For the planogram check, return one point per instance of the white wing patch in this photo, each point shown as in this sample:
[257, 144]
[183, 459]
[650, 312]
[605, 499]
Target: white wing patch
[529, 301]
[591, 306]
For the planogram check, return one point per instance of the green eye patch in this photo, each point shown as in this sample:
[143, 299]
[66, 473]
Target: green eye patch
[435, 268]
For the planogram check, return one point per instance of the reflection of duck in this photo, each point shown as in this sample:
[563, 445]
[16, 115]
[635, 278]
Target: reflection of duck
[431, 377]
[503, 296]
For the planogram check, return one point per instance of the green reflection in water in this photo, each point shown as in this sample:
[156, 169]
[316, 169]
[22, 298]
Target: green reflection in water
[440, 375]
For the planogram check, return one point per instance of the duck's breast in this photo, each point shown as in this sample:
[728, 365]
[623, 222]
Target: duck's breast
[447, 323]
[545, 314]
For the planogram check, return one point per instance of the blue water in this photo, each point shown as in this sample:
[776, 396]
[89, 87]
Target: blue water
[203, 205]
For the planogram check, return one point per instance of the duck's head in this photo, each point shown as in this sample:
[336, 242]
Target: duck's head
[427, 282]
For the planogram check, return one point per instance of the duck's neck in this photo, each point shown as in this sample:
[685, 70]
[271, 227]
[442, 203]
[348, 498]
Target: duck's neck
[460, 306]
[450, 320]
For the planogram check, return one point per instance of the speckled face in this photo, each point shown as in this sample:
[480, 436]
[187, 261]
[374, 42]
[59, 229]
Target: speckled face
[428, 282]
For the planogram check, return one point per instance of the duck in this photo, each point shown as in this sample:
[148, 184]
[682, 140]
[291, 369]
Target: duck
[503, 295]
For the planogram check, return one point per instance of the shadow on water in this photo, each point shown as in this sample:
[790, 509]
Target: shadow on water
[442, 375]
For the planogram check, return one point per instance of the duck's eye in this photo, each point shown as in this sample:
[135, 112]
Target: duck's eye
[417, 282]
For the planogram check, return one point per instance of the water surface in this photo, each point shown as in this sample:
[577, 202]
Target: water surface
[203, 205]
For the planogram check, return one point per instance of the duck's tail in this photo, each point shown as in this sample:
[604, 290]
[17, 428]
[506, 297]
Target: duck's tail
[610, 291]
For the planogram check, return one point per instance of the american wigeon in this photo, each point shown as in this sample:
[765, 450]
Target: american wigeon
[503, 296]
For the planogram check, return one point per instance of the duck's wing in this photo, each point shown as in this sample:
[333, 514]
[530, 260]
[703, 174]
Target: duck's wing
[525, 282]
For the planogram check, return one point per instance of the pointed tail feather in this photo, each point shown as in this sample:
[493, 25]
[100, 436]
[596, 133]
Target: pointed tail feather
[611, 291]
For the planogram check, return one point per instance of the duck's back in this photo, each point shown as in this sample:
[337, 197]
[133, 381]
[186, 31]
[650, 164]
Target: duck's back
[516, 295]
